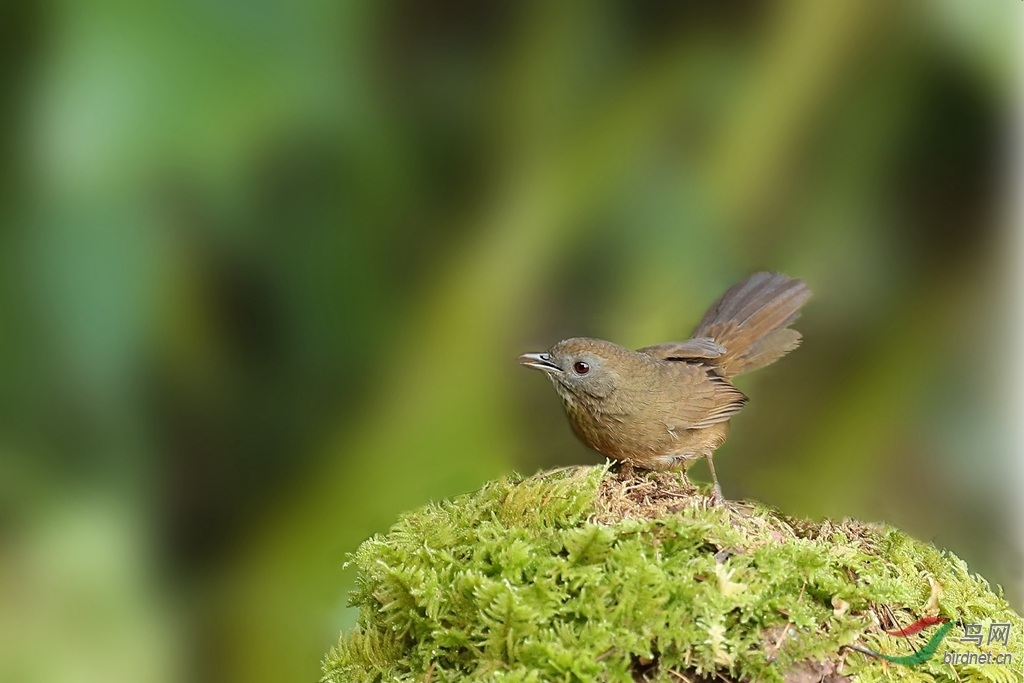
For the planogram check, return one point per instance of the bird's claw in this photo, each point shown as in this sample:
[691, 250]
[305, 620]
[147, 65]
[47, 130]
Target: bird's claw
[625, 470]
[716, 498]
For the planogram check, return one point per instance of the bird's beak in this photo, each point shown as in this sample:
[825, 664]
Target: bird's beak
[541, 361]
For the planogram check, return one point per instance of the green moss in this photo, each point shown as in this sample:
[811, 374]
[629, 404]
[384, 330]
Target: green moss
[520, 582]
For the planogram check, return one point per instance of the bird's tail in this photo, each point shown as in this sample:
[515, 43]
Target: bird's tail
[750, 320]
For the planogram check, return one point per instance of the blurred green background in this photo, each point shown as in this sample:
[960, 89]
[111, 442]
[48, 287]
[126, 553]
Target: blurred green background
[265, 268]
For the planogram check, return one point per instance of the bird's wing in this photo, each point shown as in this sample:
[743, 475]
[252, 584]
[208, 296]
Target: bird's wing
[698, 398]
[700, 347]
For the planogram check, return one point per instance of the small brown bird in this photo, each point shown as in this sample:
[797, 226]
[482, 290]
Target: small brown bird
[665, 406]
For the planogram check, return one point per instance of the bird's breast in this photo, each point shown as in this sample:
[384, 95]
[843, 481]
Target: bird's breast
[637, 429]
[608, 428]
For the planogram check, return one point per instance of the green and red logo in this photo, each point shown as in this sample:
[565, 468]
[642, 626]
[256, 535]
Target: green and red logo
[997, 633]
[925, 653]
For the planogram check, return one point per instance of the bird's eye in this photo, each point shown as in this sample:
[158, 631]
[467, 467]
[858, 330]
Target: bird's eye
[581, 368]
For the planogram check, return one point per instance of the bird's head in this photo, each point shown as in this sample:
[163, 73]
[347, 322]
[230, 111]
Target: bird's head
[581, 367]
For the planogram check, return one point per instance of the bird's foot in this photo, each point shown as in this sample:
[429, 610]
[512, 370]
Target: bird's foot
[625, 470]
[716, 491]
[716, 498]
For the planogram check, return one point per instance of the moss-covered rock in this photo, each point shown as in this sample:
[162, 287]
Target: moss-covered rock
[579, 575]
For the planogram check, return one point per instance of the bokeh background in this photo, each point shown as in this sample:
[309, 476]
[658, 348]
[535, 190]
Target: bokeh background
[265, 268]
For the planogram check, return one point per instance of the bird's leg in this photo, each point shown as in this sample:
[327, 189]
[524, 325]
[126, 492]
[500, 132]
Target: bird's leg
[716, 493]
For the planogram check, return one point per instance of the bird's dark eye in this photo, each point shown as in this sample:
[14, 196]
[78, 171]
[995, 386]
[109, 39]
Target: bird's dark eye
[580, 367]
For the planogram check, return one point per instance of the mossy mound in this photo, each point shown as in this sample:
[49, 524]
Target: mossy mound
[578, 575]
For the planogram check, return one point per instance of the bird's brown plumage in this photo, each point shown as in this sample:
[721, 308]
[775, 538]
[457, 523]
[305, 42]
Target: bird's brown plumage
[666, 405]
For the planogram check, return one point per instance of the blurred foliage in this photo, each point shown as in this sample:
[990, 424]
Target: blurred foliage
[266, 267]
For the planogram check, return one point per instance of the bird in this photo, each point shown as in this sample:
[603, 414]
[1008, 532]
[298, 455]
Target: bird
[666, 406]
